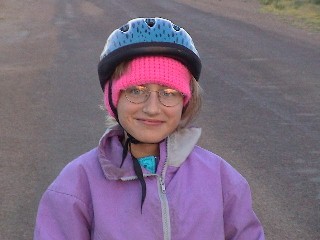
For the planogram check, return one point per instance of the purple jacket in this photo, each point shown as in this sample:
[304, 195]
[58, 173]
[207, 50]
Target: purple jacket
[193, 195]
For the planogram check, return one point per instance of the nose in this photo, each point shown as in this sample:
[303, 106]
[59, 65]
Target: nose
[152, 105]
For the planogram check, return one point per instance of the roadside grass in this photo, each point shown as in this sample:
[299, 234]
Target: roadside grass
[302, 13]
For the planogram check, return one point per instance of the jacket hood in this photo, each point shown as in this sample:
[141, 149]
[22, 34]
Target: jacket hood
[173, 152]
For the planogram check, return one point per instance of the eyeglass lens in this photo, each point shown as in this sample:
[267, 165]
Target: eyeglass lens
[139, 94]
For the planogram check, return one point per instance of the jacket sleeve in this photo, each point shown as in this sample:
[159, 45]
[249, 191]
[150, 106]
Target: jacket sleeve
[62, 217]
[241, 223]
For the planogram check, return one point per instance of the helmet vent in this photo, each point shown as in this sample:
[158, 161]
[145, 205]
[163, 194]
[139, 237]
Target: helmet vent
[124, 28]
[150, 21]
[175, 27]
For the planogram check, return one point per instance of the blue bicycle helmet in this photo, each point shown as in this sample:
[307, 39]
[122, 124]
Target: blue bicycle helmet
[148, 36]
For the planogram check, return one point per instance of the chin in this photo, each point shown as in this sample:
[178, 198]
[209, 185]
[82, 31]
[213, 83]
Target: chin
[151, 140]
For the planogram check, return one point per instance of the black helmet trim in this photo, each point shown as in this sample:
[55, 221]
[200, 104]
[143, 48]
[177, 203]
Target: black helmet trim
[109, 62]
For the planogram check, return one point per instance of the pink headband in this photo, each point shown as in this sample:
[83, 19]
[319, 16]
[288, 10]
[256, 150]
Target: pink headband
[151, 69]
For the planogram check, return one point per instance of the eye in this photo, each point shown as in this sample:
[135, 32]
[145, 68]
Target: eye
[169, 92]
[136, 90]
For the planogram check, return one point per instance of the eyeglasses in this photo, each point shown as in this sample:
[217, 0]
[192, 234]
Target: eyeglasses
[167, 96]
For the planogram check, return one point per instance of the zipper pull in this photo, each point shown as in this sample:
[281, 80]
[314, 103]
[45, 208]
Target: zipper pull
[163, 186]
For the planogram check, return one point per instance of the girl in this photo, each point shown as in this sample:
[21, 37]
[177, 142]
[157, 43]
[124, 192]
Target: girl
[147, 179]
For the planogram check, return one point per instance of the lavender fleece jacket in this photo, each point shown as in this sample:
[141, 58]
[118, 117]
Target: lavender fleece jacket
[193, 195]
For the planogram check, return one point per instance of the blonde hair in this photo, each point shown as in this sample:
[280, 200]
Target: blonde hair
[194, 105]
[190, 111]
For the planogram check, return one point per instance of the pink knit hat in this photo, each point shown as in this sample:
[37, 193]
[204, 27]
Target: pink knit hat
[151, 69]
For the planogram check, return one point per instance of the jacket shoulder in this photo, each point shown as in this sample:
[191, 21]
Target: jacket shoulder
[74, 179]
[215, 165]
[68, 197]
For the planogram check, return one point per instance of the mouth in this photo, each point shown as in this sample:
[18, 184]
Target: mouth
[150, 122]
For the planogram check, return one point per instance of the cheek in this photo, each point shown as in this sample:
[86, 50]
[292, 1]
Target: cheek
[175, 114]
[122, 107]
[126, 111]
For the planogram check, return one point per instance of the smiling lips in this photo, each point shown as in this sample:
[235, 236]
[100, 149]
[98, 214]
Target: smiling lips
[150, 122]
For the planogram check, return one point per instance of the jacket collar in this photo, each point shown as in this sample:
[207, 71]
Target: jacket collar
[173, 152]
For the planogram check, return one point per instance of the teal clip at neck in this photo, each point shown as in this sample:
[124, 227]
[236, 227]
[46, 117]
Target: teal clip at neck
[149, 163]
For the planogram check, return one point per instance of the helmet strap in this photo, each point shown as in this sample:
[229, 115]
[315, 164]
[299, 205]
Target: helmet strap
[113, 108]
[136, 165]
[138, 171]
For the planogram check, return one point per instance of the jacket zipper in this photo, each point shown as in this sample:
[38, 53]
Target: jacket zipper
[164, 209]
[164, 201]
[164, 204]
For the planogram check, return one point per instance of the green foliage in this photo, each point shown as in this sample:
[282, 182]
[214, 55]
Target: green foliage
[279, 3]
[266, 2]
[298, 3]
[315, 1]
[276, 3]
[304, 13]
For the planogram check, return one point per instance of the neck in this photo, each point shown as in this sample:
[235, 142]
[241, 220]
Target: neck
[144, 149]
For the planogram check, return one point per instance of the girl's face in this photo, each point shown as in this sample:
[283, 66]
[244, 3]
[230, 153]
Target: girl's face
[149, 121]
